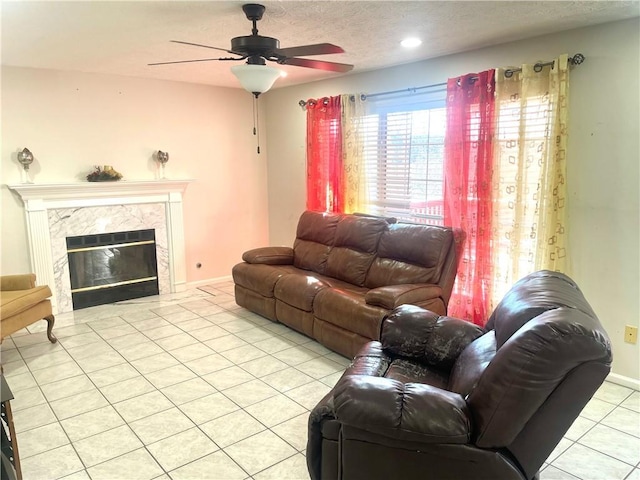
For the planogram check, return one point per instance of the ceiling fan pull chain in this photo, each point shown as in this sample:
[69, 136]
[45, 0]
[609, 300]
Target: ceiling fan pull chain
[254, 115]
[256, 122]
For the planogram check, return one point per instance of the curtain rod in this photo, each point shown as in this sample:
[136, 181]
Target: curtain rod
[577, 59]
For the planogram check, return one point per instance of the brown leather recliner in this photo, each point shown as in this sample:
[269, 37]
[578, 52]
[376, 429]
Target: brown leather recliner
[440, 398]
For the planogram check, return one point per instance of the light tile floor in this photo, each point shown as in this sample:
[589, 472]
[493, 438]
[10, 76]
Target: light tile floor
[191, 386]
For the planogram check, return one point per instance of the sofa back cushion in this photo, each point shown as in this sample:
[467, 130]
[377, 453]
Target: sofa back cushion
[314, 239]
[410, 253]
[354, 248]
[531, 296]
[471, 363]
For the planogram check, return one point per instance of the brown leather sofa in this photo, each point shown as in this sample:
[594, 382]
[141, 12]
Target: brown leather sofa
[440, 398]
[345, 273]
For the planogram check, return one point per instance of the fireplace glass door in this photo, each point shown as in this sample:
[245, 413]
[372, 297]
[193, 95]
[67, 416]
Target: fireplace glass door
[107, 268]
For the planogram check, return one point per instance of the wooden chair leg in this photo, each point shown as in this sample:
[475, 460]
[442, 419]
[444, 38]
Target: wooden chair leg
[50, 321]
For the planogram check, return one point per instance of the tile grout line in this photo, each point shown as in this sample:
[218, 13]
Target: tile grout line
[593, 450]
[58, 419]
[86, 468]
[141, 374]
[267, 354]
[197, 426]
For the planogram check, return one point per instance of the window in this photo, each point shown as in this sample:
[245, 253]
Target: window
[403, 157]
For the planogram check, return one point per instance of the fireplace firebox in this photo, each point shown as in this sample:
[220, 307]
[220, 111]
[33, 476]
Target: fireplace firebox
[110, 267]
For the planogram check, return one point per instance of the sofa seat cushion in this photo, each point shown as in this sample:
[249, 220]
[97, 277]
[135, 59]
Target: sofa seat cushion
[348, 310]
[408, 371]
[298, 290]
[371, 359]
[342, 285]
[393, 296]
[13, 302]
[260, 278]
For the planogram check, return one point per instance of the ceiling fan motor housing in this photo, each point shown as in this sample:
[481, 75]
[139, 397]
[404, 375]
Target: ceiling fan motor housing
[255, 44]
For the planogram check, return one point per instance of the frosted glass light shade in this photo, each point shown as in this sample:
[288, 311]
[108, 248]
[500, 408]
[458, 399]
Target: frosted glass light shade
[256, 79]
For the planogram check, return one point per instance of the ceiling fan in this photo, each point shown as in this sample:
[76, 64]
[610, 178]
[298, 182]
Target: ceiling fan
[257, 49]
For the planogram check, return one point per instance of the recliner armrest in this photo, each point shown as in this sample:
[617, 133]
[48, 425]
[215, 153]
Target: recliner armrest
[269, 255]
[393, 296]
[414, 332]
[404, 411]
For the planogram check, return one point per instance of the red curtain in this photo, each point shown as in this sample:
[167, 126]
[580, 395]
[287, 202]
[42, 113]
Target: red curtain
[467, 189]
[325, 185]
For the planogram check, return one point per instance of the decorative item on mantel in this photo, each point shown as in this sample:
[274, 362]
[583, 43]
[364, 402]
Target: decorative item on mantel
[106, 173]
[162, 158]
[25, 158]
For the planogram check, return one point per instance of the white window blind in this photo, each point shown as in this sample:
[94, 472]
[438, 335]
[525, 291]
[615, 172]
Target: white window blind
[403, 154]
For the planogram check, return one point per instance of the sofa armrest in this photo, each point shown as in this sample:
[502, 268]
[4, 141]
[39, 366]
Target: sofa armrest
[18, 282]
[413, 412]
[414, 332]
[392, 296]
[269, 255]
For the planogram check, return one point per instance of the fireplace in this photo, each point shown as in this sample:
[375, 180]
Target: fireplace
[109, 267]
[55, 212]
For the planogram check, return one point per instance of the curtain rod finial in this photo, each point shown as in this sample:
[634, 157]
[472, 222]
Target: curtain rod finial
[577, 59]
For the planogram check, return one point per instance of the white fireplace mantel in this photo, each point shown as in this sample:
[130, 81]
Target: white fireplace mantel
[39, 199]
[76, 192]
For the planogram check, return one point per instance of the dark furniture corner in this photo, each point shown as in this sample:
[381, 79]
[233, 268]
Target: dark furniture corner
[10, 460]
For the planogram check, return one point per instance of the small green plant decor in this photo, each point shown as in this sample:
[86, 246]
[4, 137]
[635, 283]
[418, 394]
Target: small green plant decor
[105, 173]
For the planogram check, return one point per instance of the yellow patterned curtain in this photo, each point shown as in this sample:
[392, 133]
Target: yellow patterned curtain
[529, 180]
[353, 111]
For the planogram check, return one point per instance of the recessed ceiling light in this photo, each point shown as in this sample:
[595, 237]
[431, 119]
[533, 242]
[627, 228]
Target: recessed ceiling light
[411, 42]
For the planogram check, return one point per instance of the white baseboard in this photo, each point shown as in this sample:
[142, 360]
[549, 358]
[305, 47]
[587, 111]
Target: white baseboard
[209, 281]
[624, 381]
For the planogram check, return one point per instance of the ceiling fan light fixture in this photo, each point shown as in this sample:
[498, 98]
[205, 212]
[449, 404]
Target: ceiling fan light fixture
[256, 79]
[411, 42]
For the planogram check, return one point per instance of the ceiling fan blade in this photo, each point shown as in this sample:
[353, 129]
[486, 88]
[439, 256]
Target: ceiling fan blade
[319, 64]
[307, 50]
[192, 61]
[205, 46]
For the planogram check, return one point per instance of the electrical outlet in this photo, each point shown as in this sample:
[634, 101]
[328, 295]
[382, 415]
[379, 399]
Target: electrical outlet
[630, 334]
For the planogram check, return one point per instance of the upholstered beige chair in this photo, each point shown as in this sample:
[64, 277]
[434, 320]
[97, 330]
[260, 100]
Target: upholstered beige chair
[23, 303]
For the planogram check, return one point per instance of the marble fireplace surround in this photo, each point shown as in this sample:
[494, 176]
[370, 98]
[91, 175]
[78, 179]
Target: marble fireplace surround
[56, 211]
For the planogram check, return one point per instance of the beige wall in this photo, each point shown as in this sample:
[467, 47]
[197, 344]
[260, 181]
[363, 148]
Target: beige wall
[72, 121]
[604, 155]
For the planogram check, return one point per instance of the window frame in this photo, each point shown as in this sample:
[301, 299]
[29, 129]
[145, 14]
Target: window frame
[431, 211]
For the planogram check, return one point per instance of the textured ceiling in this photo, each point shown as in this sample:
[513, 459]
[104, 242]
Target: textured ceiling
[120, 38]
